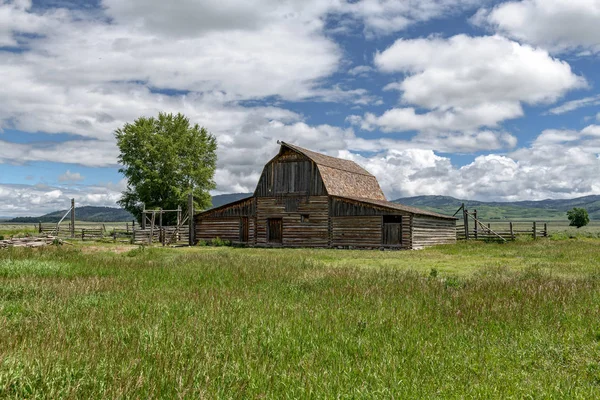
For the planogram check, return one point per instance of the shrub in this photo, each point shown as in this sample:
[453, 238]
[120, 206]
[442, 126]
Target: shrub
[135, 252]
[1, 237]
[579, 217]
[218, 242]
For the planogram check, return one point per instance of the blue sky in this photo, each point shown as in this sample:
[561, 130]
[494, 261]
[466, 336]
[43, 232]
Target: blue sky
[488, 100]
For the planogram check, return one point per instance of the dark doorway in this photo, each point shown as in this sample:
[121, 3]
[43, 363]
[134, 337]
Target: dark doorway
[392, 230]
[275, 233]
[244, 229]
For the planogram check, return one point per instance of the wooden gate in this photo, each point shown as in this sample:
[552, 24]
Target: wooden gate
[275, 230]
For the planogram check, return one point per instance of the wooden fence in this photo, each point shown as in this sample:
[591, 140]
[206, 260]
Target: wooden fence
[88, 231]
[501, 231]
[165, 235]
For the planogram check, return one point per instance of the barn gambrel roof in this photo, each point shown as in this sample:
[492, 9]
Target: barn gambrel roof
[348, 180]
[342, 178]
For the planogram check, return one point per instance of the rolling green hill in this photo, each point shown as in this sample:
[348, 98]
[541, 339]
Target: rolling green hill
[222, 199]
[519, 210]
[87, 213]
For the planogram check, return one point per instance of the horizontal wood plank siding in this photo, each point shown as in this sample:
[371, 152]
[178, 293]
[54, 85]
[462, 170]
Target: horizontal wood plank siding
[365, 231]
[224, 228]
[296, 233]
[356, 231]
[431, 231]
[353, 216]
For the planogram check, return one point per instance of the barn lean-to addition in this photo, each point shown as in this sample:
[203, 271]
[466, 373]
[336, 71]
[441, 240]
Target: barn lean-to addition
[307, 199]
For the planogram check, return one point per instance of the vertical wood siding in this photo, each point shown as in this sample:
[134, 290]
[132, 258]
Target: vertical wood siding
[290, 174]
[242, 208]
[431, 231]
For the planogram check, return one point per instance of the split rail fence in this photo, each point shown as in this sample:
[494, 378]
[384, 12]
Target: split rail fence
[151, 230]
[474, 229]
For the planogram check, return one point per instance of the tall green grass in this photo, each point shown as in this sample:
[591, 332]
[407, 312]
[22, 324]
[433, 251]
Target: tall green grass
[501, 321]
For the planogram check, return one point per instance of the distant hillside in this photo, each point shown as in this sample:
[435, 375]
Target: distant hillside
[518, 210]
[222, 199]
[541, 210]
[88, 214]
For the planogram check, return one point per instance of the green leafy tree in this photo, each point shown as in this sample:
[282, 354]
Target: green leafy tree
[164, 159]
[579, 217]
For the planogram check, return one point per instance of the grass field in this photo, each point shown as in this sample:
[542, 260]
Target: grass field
[475, 320]
[12, 228]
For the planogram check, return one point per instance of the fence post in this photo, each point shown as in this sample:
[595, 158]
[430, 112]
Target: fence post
[545, 229]
[191, 219]
[144, 217]
[40, 227]
[534, 231]
[466, 217]
[475, 223]
[72, 227]
[512, 233]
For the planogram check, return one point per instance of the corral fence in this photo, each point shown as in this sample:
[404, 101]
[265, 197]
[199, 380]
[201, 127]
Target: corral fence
[472, 228]
[121, 233]
[152, 230]
[165, 235]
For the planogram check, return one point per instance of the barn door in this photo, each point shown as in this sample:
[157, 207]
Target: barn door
[275, 230]
[392, 230]
[244, 229]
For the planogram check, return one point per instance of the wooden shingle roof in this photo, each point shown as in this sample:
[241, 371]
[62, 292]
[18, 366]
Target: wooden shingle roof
[398, 206]
[343, 178]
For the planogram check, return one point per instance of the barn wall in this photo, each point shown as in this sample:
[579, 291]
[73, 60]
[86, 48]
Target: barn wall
[224, 222]
[432, 231]
[356, 231]
[290, 173]
[226, 228]
[313, 233]
[360, 224]
[365, 231]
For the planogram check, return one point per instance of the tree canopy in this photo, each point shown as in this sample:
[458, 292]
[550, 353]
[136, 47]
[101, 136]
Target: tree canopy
[578, 216]
[164, 159]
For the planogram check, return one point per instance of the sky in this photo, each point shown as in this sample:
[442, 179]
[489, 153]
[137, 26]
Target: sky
[484, 100]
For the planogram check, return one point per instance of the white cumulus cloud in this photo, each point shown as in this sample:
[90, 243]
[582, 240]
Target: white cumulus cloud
[558, 25]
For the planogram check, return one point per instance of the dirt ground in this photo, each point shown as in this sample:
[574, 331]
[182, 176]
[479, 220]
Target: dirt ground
[118, 249]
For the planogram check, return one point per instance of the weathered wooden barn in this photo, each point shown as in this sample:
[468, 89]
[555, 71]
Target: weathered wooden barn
[307, 199]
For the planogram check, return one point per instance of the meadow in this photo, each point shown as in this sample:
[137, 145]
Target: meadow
[474, 320]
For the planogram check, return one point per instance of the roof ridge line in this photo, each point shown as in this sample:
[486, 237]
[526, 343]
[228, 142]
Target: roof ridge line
[302, 149]
[345, 170]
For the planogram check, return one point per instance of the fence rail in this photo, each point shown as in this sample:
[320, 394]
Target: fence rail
[502, 231]
[165, 235]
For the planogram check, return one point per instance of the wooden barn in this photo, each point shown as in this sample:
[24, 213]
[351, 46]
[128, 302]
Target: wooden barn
[307, 199]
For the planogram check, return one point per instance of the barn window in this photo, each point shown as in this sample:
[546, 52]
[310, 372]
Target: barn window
[392, 230]
[304, 218]
[392, 219]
